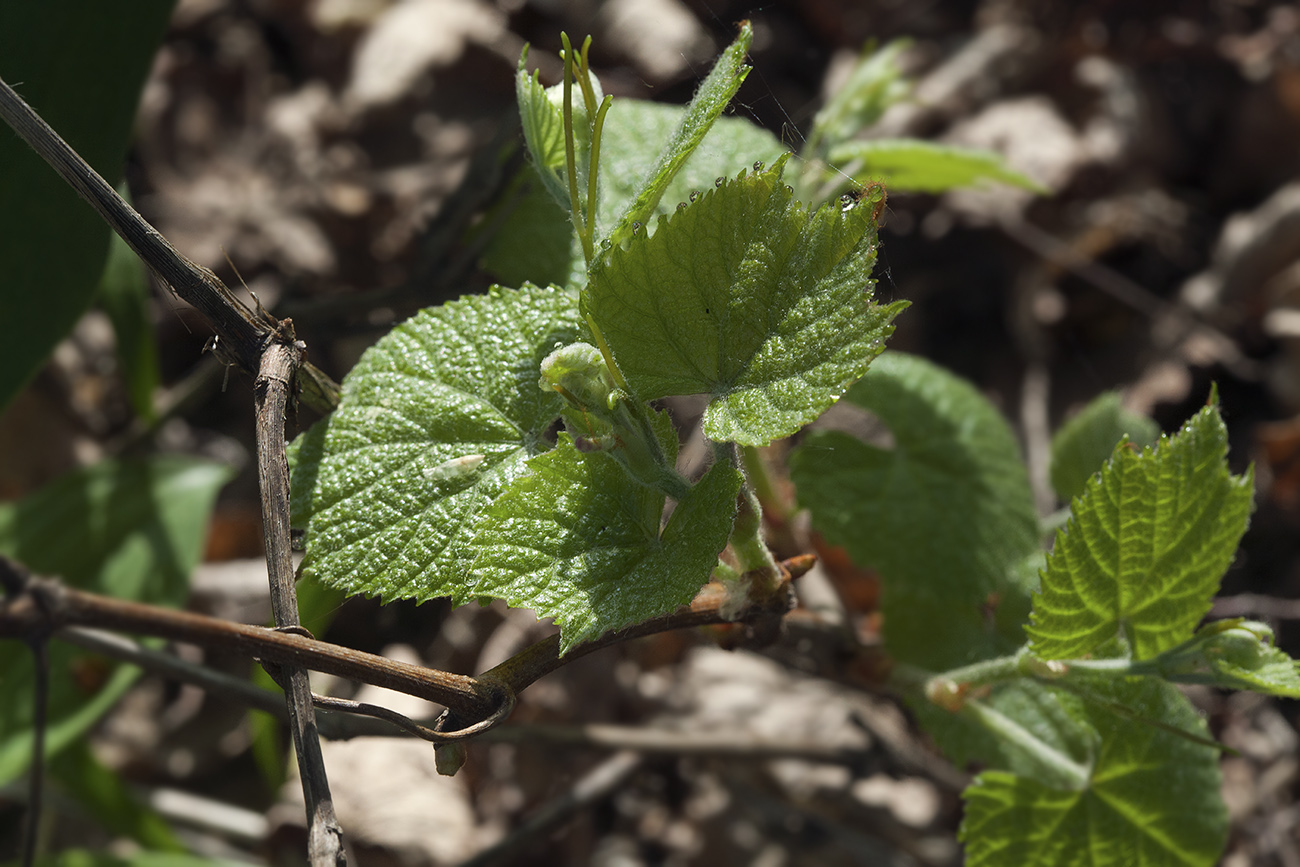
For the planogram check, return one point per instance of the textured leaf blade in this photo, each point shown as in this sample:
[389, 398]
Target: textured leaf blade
[1152, 799]
[713, 95]
[925, 167]
[434, 422]
[1085, 442]
[129, 529]
[577, 539]
[1145, 547]
[946, 516]
[745, 297]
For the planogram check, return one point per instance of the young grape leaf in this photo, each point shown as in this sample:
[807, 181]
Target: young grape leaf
[744, 296]
[536, 242]
[712, 97]
[1152, 797]
[946, 515]
[435, 421]
[637, 131]
[579, 540]
[1055, 719]
[1274, 674]
[1086, 441]
[925, 167]
[1145, 547]
[875, 84]
[130, 529]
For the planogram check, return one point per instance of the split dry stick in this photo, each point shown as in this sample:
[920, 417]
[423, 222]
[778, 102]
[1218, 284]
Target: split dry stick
[279, 363]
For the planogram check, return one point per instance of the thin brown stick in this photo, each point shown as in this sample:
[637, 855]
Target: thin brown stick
[278, 365]
[36, 604]
[60, 606]
[242, 335]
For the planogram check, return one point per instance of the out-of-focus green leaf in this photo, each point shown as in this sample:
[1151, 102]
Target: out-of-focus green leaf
[108, 799]
[1086, 441]
[918, 166]
[81, 66]
[84, 858]
[124, 294]
[1145, 548]
[130, 529]
[946, 515]
[875, 84]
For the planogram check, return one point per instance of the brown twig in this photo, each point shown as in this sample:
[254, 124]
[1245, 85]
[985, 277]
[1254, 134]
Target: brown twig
[63, 606]
[242, 335]
[46, 604]
[279, 363]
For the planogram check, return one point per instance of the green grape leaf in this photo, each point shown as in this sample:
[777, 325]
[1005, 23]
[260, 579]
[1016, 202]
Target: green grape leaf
[1086, 441]
[713, 95]
[436, 419]
[536, 241]
[742, 295]
[946, 515]
[1151, 799]
[1145, 547]
[1056, 719]
[579, 540]
[130, 529]
[875, 84]
[918, 166]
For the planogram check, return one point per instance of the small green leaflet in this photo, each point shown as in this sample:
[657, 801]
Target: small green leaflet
[875, 84]
[536, 242]
[714, 93]
[1145, 547]
[434, 422]
[1086, 441]
[946, 515]
[925, 167]
[1152, 798]
[744, 296]
[578, 540]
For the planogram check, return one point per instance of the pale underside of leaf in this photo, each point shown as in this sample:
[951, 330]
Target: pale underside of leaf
[1152, 799]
